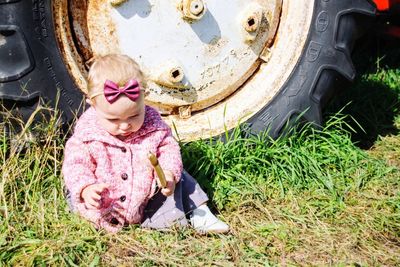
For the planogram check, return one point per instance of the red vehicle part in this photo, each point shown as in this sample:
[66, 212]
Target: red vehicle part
[391, 8]
[386, 5]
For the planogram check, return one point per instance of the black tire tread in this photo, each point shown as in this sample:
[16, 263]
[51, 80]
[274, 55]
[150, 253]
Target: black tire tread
[326, 55]
[47, 79]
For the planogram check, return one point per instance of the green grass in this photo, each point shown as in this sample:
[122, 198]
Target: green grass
[315, 197]
[323, 160]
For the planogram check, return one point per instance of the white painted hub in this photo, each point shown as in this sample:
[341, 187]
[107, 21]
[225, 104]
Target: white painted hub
[212, 51]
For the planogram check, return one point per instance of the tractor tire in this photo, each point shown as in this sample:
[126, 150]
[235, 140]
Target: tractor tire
[326, 59]
[35, 65]
[32, 71]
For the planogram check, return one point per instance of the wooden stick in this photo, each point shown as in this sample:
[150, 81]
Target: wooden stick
[160, 173]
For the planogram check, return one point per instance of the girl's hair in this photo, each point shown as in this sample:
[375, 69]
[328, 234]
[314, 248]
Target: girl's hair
[117, 68]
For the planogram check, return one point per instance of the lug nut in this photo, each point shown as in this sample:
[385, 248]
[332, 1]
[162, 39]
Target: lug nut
[252, 23]
[250, 20]
[176, 75]
[196, 7]
[170, 75]
[192, 9]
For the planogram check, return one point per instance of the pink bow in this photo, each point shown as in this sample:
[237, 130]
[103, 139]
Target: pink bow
[112, 91]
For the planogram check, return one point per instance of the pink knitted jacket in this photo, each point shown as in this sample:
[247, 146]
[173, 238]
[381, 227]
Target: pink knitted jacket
[92, 155]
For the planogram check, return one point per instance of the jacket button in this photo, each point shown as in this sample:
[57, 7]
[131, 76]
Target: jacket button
[123, 149]
[124, 176]
[114, 221]
[122, 198]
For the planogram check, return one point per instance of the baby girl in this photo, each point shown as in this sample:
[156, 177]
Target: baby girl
[107, 174]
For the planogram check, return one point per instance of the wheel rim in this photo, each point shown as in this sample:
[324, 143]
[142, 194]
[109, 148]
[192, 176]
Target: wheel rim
[212, 79]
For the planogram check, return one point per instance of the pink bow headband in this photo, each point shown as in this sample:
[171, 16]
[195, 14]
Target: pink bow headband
[112, 91]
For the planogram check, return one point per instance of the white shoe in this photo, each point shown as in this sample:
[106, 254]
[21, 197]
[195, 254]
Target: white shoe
[203, 221]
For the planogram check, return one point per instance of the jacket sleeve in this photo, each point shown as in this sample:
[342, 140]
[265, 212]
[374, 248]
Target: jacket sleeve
[169, 155]
[78, 171]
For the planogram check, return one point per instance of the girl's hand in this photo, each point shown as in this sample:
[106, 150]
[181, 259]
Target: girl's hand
[169, 190]
[91, 195]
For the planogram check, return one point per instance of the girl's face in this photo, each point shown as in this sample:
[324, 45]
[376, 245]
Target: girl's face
[122, 117]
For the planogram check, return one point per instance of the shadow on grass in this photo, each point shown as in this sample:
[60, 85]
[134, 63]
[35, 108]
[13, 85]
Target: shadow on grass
[373, 101]
[374, 107]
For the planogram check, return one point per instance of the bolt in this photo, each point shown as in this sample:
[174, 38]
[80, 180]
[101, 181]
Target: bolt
[192, 9]
[252, 23]
[196, 7]
[176, 75]
[170, 74]
[251, 19]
